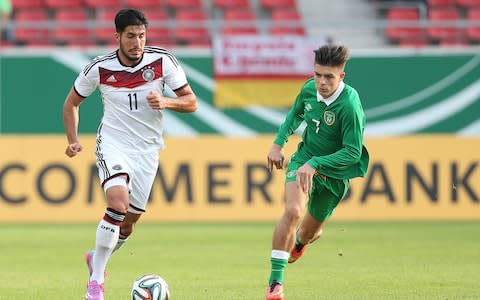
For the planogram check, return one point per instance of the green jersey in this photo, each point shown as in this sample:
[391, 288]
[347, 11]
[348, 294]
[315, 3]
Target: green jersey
[332, 142]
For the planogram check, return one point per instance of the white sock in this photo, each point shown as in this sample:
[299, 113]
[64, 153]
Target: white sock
[107, 237]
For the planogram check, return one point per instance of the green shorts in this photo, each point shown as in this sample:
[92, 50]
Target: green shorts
[324, 195]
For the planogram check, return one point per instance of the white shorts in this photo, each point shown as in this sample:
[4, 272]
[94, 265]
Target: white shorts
[139, 169]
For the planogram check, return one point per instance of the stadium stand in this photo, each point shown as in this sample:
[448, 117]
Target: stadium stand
[440, 3]
[275, 4]
[235, 18]
[473, 31]
[184, 4]
[442, 29]
[19, 4]
[403, 34]
[71, 27]
[286, 21]
[103, 4]
[145, 4]
[191, 29]
[406, 23]
[32, 35]
[444, 23]
[56, 4]
[468, 3]
[105, 32]
[159, 32]
[231, 4]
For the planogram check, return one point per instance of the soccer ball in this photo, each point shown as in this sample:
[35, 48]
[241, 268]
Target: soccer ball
[150, 287]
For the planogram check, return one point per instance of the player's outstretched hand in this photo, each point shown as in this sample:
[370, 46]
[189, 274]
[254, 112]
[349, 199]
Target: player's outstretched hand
[275, 157]
[73, 149]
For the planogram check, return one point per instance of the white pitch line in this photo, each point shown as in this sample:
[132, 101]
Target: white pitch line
[272, 116]
[471, 130]
[199, 77]
[425, 93]
[428, 116]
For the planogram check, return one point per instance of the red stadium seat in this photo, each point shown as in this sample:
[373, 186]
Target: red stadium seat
[27, 30]
[145, 4]
[439, 31]
[396, 31]
[184, 4]
[468, 3]
[239, 18]
[191, 28]
[473, 31]
[98, 4]
[158, 33]
[64, 4]
[286, 21]
[274, 4]
[459, 42]
[440, 3]
[105, 28]
[71, 27]
[413, 43]
[18, 4]
[231, 4]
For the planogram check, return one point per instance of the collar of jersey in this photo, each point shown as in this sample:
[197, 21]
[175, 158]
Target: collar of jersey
[333, 97]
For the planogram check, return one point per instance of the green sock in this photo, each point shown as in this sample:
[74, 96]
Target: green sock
[278, 268]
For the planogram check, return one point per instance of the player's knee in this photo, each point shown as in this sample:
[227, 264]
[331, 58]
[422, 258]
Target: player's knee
[117, 193]
[293, 214]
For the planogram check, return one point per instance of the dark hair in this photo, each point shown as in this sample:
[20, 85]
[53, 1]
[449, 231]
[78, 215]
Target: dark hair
[127, 17]
[331, 55]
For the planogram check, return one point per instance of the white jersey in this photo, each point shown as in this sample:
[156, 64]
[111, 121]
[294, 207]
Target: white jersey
[127, 117]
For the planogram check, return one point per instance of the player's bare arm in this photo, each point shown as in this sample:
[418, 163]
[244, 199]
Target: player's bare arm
[70, 122]
[186, 100]
[275, 157]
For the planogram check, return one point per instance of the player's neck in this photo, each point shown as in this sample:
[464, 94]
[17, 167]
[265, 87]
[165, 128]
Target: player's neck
[125, 61]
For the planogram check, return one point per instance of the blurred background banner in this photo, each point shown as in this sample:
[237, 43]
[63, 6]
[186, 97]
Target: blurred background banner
[403, 92]
[261, 70]
[415, 64]
[212, 178]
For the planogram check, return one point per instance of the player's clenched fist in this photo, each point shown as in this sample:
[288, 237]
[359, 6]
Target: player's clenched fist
[156, 101]
[73, 149]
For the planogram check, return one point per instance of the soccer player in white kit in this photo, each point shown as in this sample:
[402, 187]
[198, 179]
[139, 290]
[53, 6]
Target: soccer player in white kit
[131, 81]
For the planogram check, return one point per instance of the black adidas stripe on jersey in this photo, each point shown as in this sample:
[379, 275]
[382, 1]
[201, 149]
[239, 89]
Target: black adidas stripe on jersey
[99, 59]
[153, 49]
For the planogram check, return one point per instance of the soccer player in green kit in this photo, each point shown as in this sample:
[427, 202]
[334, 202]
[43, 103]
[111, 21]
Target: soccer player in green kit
[331, 152]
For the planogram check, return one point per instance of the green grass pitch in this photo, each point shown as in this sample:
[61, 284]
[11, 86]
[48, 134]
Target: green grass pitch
[381, 260]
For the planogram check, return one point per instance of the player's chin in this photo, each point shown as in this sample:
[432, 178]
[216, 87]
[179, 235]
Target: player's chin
[134, 55]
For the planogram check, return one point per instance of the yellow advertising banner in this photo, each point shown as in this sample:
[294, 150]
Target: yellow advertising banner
[225, 179]
[242, 92]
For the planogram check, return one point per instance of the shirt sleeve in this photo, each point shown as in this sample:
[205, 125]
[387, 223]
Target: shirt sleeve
[353, 123]
[87, 81]
[174, 76]
[292, 121]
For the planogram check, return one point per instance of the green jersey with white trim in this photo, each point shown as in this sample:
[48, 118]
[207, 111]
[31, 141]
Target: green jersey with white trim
[332, 142]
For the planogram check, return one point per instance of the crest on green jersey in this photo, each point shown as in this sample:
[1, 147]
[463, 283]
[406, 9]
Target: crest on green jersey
[329, 117]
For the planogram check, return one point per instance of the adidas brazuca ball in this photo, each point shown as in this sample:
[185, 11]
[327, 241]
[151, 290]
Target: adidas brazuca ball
[150, 287]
